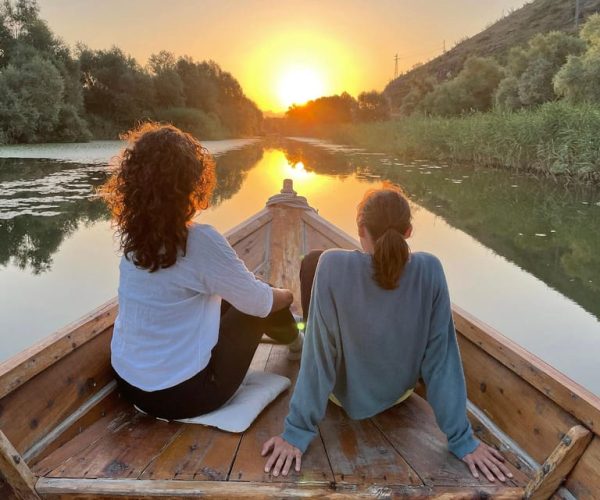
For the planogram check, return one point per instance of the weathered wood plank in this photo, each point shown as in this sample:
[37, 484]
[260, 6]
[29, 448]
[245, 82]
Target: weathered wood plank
[559, 464]
[253, 249]
[286, 250]
[27, 364]
[247, 227]
[198, 453]
[334, 233]
[122, 453]
[566, 393]
[534, 421]
[125, 489]
[14, 471]
[315, 240]
[584, 480]
[113, 419]
[249, 465]
[75, 424]
[360, 454]
[56, 392]
[485, 430]
[412, 430]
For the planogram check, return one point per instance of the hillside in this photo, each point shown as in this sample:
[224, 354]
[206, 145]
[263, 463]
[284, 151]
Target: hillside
[538, 16]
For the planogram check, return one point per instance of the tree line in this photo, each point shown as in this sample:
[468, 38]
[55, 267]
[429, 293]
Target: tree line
[51, 93]
[550, 67]
[330, 110]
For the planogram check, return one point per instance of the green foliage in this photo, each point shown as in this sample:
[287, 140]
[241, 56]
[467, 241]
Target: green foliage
[30, 101]
[194, 121]
[472, 89]
[46, 94]
[372, 107]
[512, 30]
[554, 139]
[335, 109]
[532, 69]
[579, 79]
[507, 95]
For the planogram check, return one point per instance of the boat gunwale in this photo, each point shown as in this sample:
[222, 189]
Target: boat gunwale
[166, 488]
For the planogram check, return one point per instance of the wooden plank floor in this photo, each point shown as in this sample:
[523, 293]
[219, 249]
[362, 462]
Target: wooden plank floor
[400, 447]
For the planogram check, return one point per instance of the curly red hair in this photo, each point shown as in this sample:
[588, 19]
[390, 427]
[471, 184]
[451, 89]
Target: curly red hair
[163, 178]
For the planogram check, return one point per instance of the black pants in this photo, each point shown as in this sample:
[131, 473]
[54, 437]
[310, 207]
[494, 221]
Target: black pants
[239, 336]
[308, 268]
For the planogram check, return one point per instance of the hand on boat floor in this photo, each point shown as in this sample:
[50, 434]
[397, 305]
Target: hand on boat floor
[282, 456]
[489, 461]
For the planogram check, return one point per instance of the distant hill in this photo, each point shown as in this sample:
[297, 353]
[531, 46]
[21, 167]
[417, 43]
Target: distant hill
[538, 16]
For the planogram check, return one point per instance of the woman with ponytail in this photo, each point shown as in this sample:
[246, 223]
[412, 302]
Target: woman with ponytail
[378, 321]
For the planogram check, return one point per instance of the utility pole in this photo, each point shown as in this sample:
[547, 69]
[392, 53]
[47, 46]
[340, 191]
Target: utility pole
[396, 67]
[576, 14]
[444, 48]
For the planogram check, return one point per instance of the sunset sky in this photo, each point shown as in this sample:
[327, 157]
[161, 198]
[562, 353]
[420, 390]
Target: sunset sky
[281, 51]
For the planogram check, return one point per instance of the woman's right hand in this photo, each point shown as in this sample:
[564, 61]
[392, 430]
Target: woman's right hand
[282, 298]
[489, 461]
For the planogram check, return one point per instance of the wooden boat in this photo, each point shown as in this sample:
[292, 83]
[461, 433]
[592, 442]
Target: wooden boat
[66, 433]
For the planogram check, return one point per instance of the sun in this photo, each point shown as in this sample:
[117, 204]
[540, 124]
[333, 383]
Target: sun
[299, 84]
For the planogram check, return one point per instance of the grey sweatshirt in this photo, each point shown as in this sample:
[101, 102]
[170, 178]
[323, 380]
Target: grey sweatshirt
[367, 346]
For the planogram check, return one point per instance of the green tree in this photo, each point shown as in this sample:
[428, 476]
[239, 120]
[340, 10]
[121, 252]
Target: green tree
[534, 67]
[34, 91]
[372, 106]
[116, 90]
[579, 79]
[473, 89]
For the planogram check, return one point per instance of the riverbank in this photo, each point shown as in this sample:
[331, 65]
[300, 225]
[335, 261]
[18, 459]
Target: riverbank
[555, 139]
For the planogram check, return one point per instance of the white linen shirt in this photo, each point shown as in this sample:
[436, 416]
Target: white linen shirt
[168, 320]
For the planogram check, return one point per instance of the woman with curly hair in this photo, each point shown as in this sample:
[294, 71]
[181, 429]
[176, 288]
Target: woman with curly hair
[191, 315]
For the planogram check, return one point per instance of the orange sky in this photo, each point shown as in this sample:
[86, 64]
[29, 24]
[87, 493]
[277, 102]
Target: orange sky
[281, 51]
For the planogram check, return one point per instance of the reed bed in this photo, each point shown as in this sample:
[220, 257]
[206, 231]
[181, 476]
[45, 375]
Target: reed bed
[555, 139]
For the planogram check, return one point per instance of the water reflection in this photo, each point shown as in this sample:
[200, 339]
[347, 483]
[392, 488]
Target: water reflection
[43, 202]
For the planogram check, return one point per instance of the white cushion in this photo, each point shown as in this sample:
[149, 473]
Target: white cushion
[257, 390]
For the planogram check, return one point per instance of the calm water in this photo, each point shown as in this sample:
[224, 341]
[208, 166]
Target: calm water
[523, 255]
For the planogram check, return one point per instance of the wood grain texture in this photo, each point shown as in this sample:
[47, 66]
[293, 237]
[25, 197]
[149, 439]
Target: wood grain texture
[253, 249]
[36, 407]
[19, 480]
[124, 489]
[122, 412]
[27, 364]
[566, 393]
[247, 227]
[559, 464]
[360, 454]
[315, 240]
[412, 430]
[198, 453]
[286, 250]
[584, 480]
[534, 421]
[107, 405]
[249, 465]
[340, 238]
[524, 468]
[122, 453]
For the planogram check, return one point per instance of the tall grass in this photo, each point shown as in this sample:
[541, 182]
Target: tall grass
[554, 139]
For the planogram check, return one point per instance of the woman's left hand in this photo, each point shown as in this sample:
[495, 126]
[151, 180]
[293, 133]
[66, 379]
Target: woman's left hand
[282, 456]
